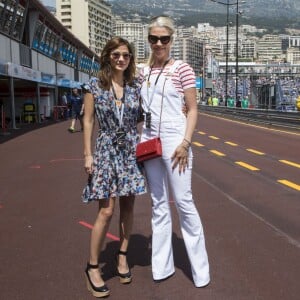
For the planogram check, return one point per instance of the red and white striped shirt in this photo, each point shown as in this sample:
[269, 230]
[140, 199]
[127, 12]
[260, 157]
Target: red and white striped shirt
[183, 77]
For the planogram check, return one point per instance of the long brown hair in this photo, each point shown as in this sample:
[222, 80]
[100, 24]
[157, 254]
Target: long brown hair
[105, 73]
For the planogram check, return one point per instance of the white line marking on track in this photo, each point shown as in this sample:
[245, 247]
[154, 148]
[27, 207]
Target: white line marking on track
[291, 240]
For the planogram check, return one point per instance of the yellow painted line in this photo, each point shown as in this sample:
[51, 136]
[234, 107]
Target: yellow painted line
[255, 152]
[247, 166]
[290, 163]
[198, 144]
[214, 137]
[201, 132]
[290, 184]
[217, 152]
[231, 144]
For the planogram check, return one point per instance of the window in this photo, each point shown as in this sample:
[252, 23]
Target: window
[12, 17]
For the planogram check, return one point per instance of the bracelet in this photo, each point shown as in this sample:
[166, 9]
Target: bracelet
[186, 140]
[185, 148]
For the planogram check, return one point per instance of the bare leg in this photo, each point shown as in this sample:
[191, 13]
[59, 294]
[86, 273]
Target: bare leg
[106, 209]
[125, 226]
[73, 123]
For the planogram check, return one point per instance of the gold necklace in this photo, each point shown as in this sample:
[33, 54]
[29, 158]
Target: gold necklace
[117, 100]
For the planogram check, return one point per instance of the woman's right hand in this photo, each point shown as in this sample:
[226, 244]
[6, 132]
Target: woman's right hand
[88, 164]
[184, 109]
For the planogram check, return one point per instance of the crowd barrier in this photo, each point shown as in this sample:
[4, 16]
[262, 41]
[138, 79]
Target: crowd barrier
[3, 122]
[60, 112]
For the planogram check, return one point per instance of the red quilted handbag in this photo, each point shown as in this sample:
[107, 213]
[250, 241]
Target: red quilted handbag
[149, 149]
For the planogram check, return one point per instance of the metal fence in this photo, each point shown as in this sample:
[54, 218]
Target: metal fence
[288, 120]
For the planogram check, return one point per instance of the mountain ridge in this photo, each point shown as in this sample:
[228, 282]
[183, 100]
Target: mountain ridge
[273, 13]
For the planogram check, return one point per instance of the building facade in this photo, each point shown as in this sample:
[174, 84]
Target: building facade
[136, 35]
[88, 20]
[269, 48]
[39, 61]
[293, 55]
[191, 51]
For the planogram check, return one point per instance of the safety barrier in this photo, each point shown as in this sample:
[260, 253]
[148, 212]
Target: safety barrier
[262, 116]
[60, 112]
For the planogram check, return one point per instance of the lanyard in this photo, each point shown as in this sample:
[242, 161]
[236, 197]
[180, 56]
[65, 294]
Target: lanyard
[156, 80]
[120, 108]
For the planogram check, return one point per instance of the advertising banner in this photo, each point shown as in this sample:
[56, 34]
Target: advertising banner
[48, 78]
[22, 72]
[199, 82]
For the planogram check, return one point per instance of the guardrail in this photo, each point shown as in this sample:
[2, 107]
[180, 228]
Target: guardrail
[289, 120]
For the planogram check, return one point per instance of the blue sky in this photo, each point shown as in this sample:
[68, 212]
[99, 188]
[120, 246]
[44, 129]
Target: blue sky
[48, 2]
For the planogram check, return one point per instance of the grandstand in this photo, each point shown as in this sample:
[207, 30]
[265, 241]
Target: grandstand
[267, 86]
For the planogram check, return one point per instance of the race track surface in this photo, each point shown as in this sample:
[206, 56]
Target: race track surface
[246, 185]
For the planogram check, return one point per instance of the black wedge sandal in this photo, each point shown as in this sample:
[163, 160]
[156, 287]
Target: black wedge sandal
[124, 278]
[97, 291]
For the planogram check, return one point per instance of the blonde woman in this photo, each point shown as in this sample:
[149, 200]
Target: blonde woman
[168, 86]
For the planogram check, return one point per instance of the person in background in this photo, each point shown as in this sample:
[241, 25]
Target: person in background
[64, 103]
[77, 109]
[167, 86]
[64, 99]
[238, 102]
[113, 170]
[209, 101]
[215, 101]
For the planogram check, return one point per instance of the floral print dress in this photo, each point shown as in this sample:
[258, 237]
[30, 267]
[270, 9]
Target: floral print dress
[115, 170]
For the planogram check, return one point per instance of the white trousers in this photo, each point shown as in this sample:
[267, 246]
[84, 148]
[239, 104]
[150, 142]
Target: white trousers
[159, 173]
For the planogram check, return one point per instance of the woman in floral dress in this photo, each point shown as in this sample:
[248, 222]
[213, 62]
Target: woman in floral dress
[113, 170]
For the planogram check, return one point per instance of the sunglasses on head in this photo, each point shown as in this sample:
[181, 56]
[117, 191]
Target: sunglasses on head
[117, 55]
[153, 39]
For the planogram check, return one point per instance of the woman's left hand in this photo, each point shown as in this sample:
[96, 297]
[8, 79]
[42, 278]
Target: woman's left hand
[180, 157]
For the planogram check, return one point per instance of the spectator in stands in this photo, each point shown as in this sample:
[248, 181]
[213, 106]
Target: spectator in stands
[206, 98]
[167, 84]
[113, 170]
[209, 101]
[215, 101]
[77, 108]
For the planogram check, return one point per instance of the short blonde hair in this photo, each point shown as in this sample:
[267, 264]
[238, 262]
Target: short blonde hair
[161, 21]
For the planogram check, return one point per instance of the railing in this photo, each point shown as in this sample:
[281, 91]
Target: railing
[288, 120]
[60, 112]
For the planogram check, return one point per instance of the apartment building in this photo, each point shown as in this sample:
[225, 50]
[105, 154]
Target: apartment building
[135, 33]
[294, 41]
[293, 55]
[40, 60]
[89, 20]
[190, 50]
[247, 49]
[269, 48]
